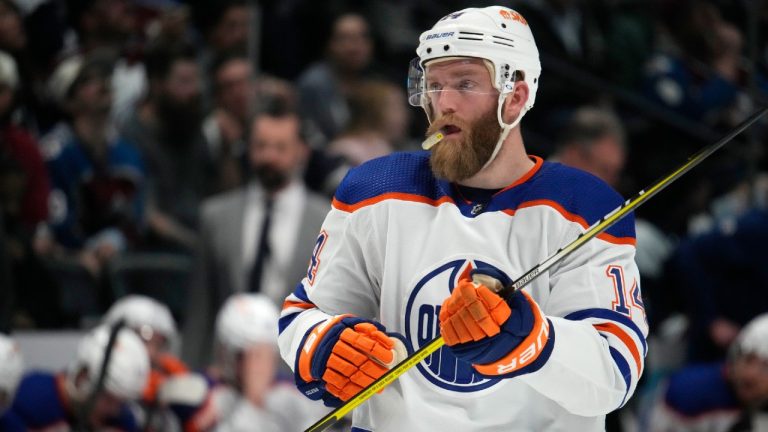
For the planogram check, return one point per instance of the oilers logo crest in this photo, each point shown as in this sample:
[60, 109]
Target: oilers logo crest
[422, 324]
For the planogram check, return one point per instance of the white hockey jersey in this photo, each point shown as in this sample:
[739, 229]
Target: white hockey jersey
[395, 244]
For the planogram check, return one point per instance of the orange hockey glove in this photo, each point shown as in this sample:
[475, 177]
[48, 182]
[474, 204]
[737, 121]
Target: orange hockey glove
[472, 313]
[500, 338]
[343, 355]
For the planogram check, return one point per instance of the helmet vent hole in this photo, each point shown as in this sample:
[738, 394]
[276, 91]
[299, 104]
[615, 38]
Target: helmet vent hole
[473, 36]
[446, 47]
[503, 25]
[504, 41]
[429, 50]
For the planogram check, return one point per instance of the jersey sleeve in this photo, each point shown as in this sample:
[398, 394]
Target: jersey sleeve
[598, 321]
[343, 277]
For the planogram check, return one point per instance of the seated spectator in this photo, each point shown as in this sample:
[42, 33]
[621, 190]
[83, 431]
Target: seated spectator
[111, 26]
[24, 189]
[224, 26]
[325, 85]
[79, 398]
[378, 123]
[722, 396]
[226, 127]
[97, 201]
[11, 369]
[18, 147]
[241, 391]
[167, 127]
[593, 141]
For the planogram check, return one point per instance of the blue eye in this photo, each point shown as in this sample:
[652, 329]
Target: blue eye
[433, 86]
[466, 85]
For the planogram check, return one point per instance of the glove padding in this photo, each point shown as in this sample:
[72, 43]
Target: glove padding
[479, 326]
[342, 356]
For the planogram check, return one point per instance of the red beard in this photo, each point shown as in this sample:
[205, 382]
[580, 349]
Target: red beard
[461, 156]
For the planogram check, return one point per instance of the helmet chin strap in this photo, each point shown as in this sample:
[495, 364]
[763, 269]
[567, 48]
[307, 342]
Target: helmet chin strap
[505, 128]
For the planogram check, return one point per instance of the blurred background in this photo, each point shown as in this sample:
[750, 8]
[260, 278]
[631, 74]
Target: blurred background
[147, 146]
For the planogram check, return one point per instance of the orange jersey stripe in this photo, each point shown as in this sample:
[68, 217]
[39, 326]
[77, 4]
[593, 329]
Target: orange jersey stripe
[349, 208]
[302, 305]
[573, 218]
[538, 162]
[624, 337]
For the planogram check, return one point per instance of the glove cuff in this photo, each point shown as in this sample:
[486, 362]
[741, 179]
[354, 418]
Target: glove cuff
[309, 346]
[533, 350]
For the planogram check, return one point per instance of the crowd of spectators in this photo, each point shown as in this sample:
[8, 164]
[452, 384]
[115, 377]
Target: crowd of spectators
[188, 151]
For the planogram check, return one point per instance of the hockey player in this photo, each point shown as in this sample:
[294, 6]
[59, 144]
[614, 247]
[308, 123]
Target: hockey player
[11, 368]
[75, 400]
[406, 231]
[730, 396]
[241, 392]
[154, 324]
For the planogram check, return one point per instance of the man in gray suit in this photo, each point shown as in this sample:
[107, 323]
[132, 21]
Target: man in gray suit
[235, 254]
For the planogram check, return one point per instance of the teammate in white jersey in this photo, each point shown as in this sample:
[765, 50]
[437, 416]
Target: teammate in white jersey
[392, 265]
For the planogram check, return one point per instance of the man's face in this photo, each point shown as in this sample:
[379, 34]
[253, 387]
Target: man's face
[749, 376]
[463, 104]
[606, 159]
[350, 47]
[235, 87]
[276, 151]
[112, 20]
[179, 98]
[182, 84]
[12, 35]
[231, 32]
[93, 94]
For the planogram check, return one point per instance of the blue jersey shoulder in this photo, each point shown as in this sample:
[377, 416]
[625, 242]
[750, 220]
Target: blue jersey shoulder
[699, 389]
[407, 173]
[577, 192]
[38, 402]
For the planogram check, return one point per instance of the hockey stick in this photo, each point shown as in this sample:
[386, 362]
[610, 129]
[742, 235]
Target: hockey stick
[90, 402]
[597, 228]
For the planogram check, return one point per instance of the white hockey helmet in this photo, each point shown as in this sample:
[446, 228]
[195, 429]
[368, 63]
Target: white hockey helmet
[128, 369]
[497, 34]
[245, 320]
[145, 315]
[753, 338]
[11, 369]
